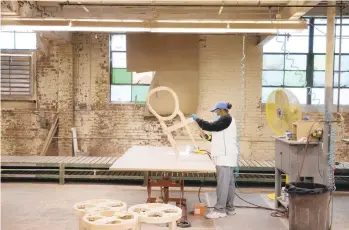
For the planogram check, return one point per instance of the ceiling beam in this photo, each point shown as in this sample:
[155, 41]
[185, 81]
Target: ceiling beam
[294, 13]
[24, 9]
[291, 13]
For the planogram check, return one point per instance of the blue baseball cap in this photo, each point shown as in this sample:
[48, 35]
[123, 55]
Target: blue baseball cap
[220, 105]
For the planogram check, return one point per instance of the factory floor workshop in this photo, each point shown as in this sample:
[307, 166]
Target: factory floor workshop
[36, 206]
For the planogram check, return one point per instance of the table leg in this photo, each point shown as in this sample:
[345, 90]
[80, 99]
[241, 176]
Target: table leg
[81, 224]
[149, 188]
[277, 187]
[166, 195]
[138, 226]
[183, 201]
[146, 178]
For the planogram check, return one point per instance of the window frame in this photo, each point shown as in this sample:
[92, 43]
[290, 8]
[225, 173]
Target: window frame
[310, 61]
[111, 51]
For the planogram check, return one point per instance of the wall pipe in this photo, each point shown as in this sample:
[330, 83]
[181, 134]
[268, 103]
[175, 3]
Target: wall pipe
[340, 58]
[200, 5]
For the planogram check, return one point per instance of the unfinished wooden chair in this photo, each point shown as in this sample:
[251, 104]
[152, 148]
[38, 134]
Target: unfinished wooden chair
[94, 205]
[156, 213]
[169, 129]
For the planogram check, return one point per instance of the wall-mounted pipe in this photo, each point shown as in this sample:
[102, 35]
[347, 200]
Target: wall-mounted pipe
[201, 5]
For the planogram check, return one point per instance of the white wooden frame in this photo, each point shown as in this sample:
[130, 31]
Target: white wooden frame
[183, 121]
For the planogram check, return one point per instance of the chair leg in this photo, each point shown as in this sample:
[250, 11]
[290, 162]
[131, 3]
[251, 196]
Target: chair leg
[137, 226]
[173, 225]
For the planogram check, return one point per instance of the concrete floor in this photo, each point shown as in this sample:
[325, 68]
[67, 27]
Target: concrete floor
[36, 206]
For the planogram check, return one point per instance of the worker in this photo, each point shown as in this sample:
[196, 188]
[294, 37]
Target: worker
[224, 152]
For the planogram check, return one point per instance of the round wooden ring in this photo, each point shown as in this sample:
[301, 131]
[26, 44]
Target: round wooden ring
[176, 109]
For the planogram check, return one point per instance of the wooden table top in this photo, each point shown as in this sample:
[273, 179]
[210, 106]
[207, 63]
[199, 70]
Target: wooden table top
[148, 158]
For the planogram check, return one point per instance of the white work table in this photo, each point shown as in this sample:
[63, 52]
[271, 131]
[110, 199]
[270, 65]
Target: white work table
[149, 158]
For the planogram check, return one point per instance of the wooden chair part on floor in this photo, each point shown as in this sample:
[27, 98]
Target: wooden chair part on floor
[183, 121]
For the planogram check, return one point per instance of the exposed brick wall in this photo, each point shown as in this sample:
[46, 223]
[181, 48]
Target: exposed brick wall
[21, 130]
[220, 71]
[74, 82]
[110, 129]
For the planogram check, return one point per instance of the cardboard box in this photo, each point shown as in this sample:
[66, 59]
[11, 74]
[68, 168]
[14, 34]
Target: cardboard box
[302, 129]
[199, 209]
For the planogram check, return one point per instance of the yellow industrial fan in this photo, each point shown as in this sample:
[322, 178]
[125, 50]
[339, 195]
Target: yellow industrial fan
[282, 110]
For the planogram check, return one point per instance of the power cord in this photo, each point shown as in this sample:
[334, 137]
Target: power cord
[275, 213]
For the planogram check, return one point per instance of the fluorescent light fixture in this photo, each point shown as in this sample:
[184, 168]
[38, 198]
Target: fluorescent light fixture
[135, 29]
[72, 29]
[11, 20]
[84, 7]
[295, 22]
[220, 10]
[17, 55]
[217, 30]
[8, 13]
[157, 26]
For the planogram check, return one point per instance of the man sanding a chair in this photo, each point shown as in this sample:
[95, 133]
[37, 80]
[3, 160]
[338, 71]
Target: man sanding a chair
[224, 153]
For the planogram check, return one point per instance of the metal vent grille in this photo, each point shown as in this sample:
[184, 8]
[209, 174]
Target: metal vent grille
[16, 75]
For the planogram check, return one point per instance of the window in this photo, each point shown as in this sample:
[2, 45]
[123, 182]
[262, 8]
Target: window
[126, 87]
[297, 62]
[16, 76]
[11, 40]
[17, 65]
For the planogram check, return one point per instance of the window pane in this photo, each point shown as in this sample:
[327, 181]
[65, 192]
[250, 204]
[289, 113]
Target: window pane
[319, 78]
[319, 62]
[297, 44]
[120, 93]
[266, 91]
[344, 62]
[139, 92]
[344, 79]
[7, 40]
[274, 45]
[344, 20]
[320, 30]
[345, 31]
[320, 21]
[25, 40]
[301, 32]
[317, 96]
[335, 96]
[121, 76]
[273, 62]
[118, 43]
[119, 60]
[296, 62]
[319, 44]
[273, 78]
[345, 45]
[142, 78]
[295, 78]
[344, 97]
[300, 93]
